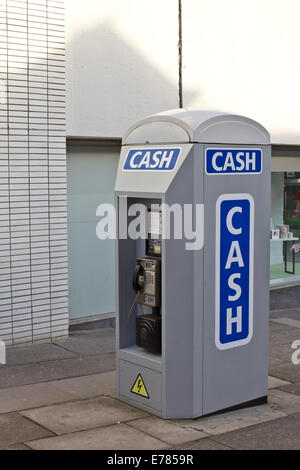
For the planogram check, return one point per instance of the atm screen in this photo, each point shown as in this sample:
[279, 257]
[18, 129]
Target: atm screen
[154, 226]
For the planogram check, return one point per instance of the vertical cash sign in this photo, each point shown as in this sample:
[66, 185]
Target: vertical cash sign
[234, 270]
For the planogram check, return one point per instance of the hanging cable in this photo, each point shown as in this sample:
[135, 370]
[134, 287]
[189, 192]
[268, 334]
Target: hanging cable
[131, 308]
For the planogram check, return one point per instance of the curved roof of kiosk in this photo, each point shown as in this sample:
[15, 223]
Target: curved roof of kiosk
[188, 126]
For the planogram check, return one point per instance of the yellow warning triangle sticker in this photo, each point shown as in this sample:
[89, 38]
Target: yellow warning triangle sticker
[139, 387]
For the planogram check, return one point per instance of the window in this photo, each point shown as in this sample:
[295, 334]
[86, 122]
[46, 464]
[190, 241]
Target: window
[285, 218]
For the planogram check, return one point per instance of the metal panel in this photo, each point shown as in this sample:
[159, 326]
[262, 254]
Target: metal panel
[239, 374]
[152, 380]
[183, 304]
[145, 182]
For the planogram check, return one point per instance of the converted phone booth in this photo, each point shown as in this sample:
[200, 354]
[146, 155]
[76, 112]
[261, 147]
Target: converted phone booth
[192, 315]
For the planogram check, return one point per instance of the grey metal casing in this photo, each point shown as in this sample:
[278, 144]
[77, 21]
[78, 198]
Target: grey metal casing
[192, 377]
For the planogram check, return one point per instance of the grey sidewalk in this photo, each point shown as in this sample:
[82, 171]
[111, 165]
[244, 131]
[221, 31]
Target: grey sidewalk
[62, 396]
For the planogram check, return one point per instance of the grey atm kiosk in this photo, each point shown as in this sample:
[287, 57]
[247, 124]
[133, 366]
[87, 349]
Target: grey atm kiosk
[192, 310]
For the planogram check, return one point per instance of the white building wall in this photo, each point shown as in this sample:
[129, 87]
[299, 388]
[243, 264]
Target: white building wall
[238, 56]
[242, 56]
[33, 231]
[122, 63]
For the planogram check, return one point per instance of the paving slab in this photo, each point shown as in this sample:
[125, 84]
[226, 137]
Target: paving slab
[83, 414]
[275, 362]
[280, 334]
[273, 382]
[91, 385]
[117, 436]
[14, 429]
[289, 313]
[232, 420]
[12, 376]
[280, 434]
[203, 444]
[291, 388]
[31, 396]
[285, 371]
[36, 353]
[283, 401]
[95, 332]
[273, 326]
[287, 321]
[89, 344]
[166, 430]
[282, 352]
[15, 447]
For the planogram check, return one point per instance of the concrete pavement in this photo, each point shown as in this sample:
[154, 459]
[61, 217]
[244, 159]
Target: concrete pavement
[62, 396]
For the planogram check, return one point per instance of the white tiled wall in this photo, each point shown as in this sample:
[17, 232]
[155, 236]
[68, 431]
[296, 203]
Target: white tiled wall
[33, 228]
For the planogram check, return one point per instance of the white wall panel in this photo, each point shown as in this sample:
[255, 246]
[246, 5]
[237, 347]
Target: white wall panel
[122, 63]
[243, 57]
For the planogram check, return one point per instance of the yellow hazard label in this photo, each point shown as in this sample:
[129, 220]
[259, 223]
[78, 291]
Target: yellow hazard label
[139, 388]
